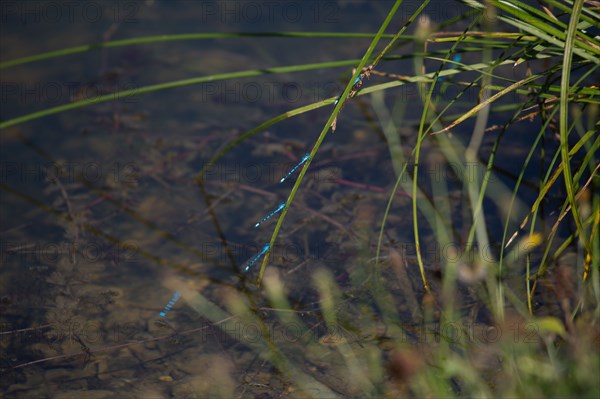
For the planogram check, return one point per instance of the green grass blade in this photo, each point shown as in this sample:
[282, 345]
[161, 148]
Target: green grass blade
[563, 119]
[179, 37]
[170, 85]
[326, 129]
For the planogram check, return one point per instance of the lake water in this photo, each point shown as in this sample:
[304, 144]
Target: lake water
[104, 225]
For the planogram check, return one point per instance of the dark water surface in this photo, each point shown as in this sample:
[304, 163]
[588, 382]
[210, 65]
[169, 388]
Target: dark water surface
[102, 221]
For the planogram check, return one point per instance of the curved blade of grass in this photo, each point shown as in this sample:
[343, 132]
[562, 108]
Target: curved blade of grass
[427, 208]
[171, 85]
[332, 117]
[178, 37]
[563, 120]
[399, 164]
[417, 151]
[428, 106]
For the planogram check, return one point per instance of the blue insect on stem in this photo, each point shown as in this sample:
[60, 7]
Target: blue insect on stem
[172, 302]
[355, 86]
[278, 209]
[457, 58]
[257, 257]
[304, 159]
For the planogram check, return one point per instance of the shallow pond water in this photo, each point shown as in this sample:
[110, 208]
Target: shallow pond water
[104, 224]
